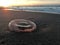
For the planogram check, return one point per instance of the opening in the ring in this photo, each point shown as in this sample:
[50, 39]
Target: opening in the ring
[23, 25]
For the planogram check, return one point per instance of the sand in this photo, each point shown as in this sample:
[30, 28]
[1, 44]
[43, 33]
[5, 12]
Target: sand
[47, 32]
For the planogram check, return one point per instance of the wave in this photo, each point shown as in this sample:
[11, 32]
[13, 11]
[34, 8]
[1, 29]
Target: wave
[39, 9]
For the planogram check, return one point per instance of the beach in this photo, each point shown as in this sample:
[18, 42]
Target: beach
[7, 15]
[42, 35]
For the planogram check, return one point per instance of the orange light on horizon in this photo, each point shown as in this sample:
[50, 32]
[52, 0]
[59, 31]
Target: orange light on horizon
[7, 3]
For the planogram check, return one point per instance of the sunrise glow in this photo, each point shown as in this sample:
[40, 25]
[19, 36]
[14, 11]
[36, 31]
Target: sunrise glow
[6, 3]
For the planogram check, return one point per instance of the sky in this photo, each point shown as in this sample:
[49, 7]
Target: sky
[39, 1]
[27, 2]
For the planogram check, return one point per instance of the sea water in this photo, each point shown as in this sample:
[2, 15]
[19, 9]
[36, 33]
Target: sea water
[39, 9]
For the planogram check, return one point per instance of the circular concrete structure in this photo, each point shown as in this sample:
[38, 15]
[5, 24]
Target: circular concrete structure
[21, 25]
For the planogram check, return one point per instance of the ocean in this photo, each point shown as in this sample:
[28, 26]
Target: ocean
[38, 9]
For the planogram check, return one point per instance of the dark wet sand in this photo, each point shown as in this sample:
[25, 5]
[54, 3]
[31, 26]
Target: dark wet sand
[43, 35]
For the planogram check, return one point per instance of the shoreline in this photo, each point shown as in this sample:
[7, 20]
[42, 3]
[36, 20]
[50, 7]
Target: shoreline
[42, 11]
[34, 11]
